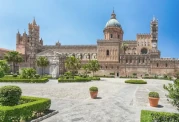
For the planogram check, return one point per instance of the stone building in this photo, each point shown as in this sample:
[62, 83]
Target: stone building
[142, 55]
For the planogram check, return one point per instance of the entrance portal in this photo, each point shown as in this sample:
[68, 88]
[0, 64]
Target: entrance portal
[117, 74]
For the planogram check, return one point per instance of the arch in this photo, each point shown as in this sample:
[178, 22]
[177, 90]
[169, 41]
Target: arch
[144, 51]
[111, 36]
[107, 52]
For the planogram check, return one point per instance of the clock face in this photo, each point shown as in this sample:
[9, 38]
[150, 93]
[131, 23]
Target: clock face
[154, 44]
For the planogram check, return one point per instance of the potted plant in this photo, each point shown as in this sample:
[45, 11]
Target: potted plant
[153, 99]
[93, 91]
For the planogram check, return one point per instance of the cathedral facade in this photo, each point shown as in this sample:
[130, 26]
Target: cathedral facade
[141, 57]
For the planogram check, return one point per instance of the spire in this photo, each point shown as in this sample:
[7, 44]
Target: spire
[34, 22]
[113, 15]
[18, 31]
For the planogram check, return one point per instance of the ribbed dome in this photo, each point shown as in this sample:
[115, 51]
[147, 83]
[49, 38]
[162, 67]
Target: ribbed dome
[112, 23]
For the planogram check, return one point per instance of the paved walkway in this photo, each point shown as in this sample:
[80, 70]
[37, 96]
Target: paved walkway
[117, 102]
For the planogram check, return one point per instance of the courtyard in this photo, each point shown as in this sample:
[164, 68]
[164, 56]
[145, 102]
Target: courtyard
[116, 102]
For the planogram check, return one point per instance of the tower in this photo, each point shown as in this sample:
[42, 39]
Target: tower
[29, 44]
[154, 32]
[108, 49]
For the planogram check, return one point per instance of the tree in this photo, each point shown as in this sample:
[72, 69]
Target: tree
[94, 66]
[173, 89]
[86, 68]
[13, 57]
[4, 66]
[72, 64]
[42, 62]
[124, 47]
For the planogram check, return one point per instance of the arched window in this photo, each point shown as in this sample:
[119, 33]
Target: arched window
[107, 52]
[144, 51]
[111, 36]
[157, 64]
[166, 65]
[118, 36]
[106, 67]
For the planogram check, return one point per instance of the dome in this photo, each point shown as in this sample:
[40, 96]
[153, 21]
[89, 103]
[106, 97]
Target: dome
[112, 23]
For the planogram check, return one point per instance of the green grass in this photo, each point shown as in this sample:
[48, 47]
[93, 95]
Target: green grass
[136, 81]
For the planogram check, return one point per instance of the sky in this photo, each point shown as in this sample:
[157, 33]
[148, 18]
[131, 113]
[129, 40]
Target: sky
[81, 22]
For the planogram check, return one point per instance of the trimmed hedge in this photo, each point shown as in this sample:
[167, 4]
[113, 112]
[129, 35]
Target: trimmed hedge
[24, 111]
[10, 95]
[74, 80]
[151, 116]
[94, 78]
[42, 80]
[136, 81]
[105, 76]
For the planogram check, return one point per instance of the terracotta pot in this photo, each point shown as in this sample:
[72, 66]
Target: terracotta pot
[93, 94]
[153, 101]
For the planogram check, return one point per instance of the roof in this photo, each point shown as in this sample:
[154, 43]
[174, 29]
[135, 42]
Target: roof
[3, 49]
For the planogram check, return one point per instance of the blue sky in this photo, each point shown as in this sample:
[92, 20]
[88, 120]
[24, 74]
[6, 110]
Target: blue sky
[82, 21]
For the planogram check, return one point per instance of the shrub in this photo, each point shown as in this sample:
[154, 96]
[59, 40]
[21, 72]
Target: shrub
[28, 73]
[112, 73]
[154, 94]
[24, 111]
[136, 81]
[1, 73]
[14, 75]
[37, 76]
[134, 74]
[93, 88]
[10, 95]
[42, 80]
[152, 116]
[173, 92]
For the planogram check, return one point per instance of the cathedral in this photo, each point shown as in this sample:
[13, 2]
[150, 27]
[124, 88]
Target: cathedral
[141, 55]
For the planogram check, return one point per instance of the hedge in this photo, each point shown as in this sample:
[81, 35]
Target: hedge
[104, 76]
[136, 81]
[152, 116]
[24, 111]
[42, 80]
[74, 80]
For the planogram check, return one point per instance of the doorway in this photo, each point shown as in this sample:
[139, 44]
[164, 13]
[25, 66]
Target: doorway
[117, 74]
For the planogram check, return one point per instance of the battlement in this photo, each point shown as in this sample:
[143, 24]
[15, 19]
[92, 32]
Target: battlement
[143, 35]
[166, 59]
[130, 41]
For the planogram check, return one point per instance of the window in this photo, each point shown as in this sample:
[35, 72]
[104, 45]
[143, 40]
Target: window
[111, 35]
[143, 60]
[126, 61]
[107, 52]
[157, 64]
[166, 65]
[139, 60]
[144, 51]
[118, 36]
[131, 61]
[101, 67]
[112, 67]
[117, 67]
[106, 67]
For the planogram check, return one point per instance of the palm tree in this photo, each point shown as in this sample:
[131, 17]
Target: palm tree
[124, 47]
[94, 66]
[42, 62]
[72, 64]
[13, 57]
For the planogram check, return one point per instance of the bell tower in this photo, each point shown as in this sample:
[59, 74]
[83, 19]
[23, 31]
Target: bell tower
[154, 33]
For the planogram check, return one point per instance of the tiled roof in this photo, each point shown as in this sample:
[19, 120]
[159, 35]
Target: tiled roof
[3, 49]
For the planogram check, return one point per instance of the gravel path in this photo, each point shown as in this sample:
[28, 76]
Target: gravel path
[117, 101]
